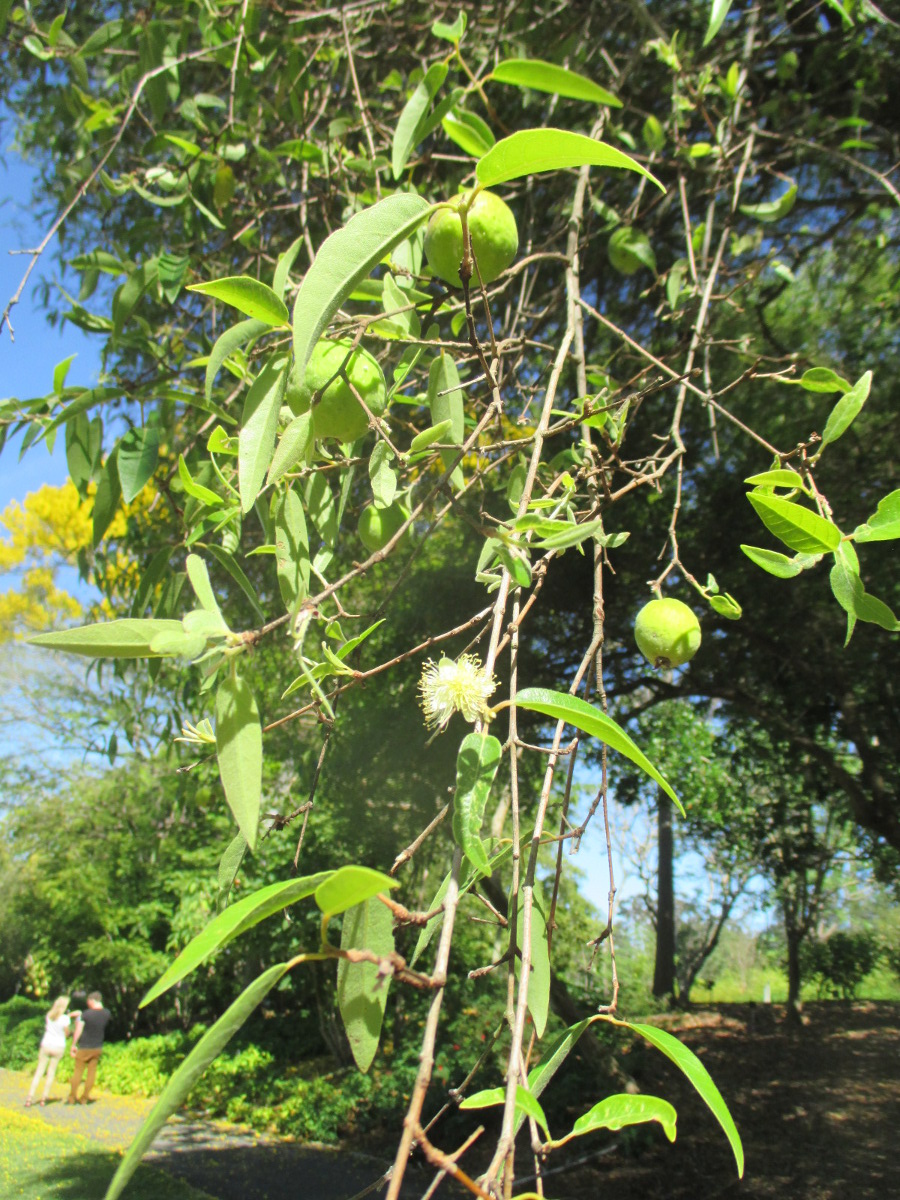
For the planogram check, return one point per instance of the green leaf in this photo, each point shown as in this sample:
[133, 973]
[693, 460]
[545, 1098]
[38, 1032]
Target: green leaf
[820, 379]
[362, 990]
[798, 527]
[294, 447]
[691, 1066]
[283, 266]
[349, 886]
[773, 561]
[781, 478]
[60, 371]
[199, 579]
[322, 509]
[726, 606]
[547, 77]
[450, 33]
[249, 296]
[84, 445]
[468, 131]
[106, 498]
[235, 920]
[850, 593]
[435, 433]
[382, 476]
[405, 135]
[292, 549]
[718, 13]
[847, 409]
[531, 151]
[226, 344]
[884, 524]
[126, 638]
[554, 1056]
[196, 490]
[615, 1112]
[344, 259]
[772, 210]
[229, 865]
[476, 768]
[228, 563]
[539, 976]
[592, 721]
[82, 402]
[239, 751]
[445, 400]
[176, 1090]
[259, 425]
[526, 1104]
[137, 459]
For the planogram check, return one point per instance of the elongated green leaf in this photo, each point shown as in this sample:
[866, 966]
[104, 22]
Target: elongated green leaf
[106, 498]
[450, 33]
[229, 865]
[239, 751]
[283, 266]
[137, 459]
[539, 975]
[322, 508]
[84, 445]
[591, 720]
[405, 135]
[779, 478]
[176, 1090]
[798, 527]
[235, 920]
[361, 990]
[435, 433]
[847, 409]
[526, 1105]
[382, 475]
[555, 1055]
[691, 1066]
[204, 494]
[349, 886]
[884, 524]
[615, 1112]
[547, 77]
[259, 424]
[294, 447]
[226, 344]
[89, 398]
[468, 131]
[126, 638]
[850, 593]
[249, 296]
[445, 400]
[346, 258]
[531, 151]
[199, 578]
[779, 564]
[772, 210]
[292, 549]
[476, 768]
[717, 14]
[228, 563]
[820, 379]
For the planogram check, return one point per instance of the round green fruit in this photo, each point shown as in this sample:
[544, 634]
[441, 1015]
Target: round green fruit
[338, 414]
[492, 228]
[667, 633]
[378, 525]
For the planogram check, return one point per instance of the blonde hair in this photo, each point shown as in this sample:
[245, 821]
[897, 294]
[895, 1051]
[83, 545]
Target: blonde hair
[60, 1004]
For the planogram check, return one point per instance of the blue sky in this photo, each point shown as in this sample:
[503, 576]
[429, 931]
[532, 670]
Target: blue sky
[26, 364]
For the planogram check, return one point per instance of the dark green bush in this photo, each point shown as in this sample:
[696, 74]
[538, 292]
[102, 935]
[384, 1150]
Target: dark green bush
[21, 1030]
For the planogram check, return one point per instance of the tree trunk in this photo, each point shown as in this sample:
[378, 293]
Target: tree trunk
[794, 938]
[664, 969]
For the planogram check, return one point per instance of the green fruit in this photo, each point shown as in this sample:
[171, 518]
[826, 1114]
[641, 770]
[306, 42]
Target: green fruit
[338, 414]
[492, 229]
[378, 525]
[667, 633]
[629, 250]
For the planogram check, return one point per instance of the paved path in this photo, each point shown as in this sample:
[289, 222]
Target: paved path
[227, 1162]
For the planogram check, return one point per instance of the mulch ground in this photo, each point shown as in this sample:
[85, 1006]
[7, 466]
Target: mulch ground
[818, 1110]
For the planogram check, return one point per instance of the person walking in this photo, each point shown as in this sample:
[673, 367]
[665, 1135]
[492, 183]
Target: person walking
[87, 1047]
[52, 1048]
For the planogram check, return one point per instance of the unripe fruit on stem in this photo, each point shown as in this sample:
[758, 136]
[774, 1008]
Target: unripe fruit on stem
[378, 525]
[338, 414]
[667, 633]
[492, 229]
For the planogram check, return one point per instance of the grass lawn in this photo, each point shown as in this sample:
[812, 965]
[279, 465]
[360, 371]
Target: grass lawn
[40, 1163]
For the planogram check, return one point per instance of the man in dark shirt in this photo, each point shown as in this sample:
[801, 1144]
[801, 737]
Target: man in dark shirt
[87, 1046]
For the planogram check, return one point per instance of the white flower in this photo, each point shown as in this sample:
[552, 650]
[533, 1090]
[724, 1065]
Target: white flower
[447, 687]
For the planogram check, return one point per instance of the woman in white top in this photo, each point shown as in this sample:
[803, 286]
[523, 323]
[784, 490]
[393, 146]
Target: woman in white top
[53, 1046]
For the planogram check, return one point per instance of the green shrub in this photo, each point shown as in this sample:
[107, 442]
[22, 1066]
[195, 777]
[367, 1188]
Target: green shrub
[21, 1030]
[841, 962]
